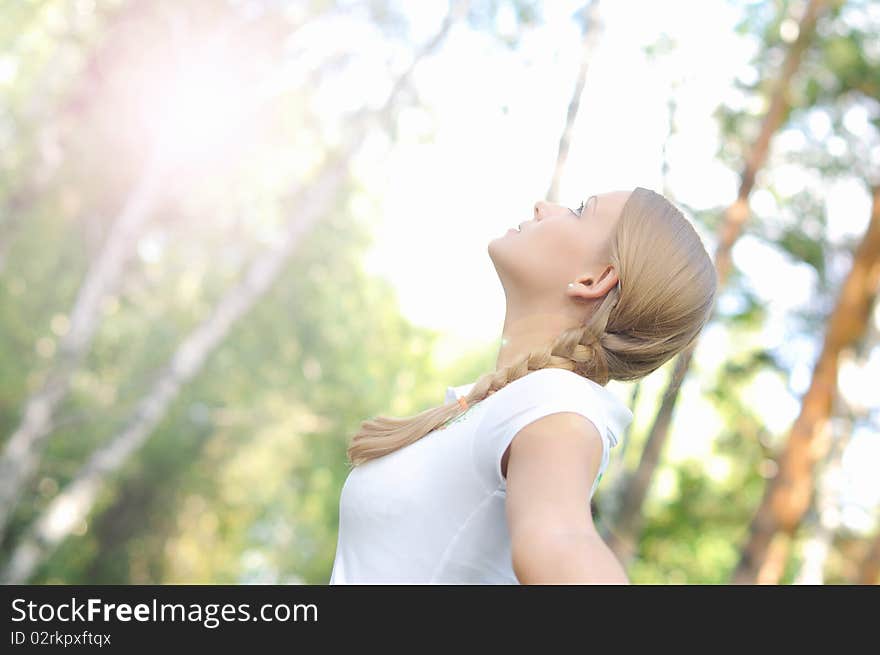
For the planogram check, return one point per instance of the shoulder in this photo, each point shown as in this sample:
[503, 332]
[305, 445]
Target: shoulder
[555, 408]
[569, 422]
[564, 429]
[568, 418]
[559, 425]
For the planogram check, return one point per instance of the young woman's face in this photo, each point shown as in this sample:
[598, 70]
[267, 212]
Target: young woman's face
[558, 245]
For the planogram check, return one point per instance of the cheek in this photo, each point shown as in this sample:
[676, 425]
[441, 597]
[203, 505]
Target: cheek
[552, 256]
[562, 247]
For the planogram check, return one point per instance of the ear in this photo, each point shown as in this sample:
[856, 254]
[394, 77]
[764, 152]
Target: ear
[593, 287]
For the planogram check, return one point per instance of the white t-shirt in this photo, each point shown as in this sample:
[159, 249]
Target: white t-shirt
[433, 512]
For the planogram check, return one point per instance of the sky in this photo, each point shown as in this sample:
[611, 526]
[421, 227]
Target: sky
[474, 162]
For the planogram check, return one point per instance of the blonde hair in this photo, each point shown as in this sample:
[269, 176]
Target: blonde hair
[666, 294]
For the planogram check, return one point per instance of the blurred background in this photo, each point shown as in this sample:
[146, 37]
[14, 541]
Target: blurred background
[231, 230]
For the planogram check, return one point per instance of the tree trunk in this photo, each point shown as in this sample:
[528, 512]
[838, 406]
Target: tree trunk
[76, 500]
[22, 451]
[787, 496]
[869, 569]
[628, 521]
[818, 545]
[815, 552]
[629, 518]
[591, 28]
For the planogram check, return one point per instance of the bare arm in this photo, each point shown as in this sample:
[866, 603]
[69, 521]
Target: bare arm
[567, 559]
[551, 467]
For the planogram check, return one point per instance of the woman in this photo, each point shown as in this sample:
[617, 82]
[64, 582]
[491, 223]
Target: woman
[494, 485]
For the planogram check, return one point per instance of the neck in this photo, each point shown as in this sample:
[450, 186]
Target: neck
[527, 331]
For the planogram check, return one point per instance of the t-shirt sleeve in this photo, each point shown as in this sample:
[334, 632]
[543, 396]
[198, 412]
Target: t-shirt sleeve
[523, 401]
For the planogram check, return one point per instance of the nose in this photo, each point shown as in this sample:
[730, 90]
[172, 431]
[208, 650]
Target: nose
[540, 209]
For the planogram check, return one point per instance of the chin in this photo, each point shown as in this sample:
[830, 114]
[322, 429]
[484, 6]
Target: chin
[495, 248]
[492, 247]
